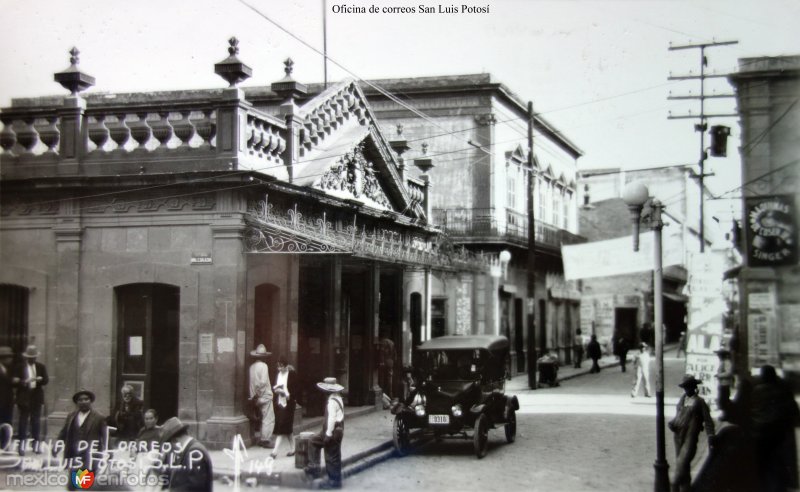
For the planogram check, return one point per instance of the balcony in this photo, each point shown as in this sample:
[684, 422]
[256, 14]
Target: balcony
[487, 225]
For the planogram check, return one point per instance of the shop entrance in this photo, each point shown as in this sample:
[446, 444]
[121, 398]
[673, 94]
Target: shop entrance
[355, 326]
[147, 345]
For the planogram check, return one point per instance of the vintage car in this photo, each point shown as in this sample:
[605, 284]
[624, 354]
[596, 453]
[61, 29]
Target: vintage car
[459, 391]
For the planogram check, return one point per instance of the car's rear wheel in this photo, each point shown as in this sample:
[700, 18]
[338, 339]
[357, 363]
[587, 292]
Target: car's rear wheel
[481, 436]
[511, 426]
[400, 436]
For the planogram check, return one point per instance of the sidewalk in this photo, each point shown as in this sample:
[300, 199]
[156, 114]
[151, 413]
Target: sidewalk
[367, 441]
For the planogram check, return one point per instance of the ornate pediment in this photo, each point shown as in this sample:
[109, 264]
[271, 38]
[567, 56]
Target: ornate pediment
[354, 176]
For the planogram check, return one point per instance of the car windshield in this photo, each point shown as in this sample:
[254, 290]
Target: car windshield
[462, 364]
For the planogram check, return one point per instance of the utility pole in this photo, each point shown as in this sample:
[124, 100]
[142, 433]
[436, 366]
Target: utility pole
[531, 300]
[702, 126]
[325, 44]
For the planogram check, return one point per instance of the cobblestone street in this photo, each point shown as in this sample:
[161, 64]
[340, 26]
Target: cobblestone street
[586, 435]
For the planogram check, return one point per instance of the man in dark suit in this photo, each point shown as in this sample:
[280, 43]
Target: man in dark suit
[188, 464]
[83, 434]
[30, 377]
[6, 393]
[129, 416]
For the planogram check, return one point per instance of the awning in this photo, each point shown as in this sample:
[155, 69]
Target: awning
[676, 297]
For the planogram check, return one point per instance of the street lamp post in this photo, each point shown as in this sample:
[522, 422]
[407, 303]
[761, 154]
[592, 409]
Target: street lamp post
[635, 196]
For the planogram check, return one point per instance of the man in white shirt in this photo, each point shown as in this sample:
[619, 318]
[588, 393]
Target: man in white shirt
[261, 391]
[30, 377]
[330, 439]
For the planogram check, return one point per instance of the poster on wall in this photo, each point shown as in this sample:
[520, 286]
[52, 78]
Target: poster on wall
[771, 231]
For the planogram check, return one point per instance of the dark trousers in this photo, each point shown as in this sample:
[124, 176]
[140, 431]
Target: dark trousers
[623, 359]
[595, 366]
[34, 415]
[333, 458]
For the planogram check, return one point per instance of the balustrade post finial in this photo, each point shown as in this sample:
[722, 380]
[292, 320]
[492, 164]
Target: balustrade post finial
[232, 69]
[288, 66]
[72, 78]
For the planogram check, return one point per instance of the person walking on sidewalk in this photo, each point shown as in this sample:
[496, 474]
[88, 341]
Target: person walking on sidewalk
[330, 439]
[284, 389]
[594, 352]
[691, 416]
[261, 392]
[641, 365]
[681, 345]
[577, 348]
[622, 352]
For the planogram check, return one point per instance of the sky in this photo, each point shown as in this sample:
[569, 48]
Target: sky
[595, 69]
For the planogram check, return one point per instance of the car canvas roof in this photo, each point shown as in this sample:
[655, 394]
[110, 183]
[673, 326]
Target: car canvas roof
[458, 342]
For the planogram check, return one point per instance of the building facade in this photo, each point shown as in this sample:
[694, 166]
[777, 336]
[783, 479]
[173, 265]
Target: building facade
[154, 239]
[767, 91]
[472, 142]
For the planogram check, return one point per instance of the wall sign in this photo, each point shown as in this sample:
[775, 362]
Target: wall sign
[771, 231]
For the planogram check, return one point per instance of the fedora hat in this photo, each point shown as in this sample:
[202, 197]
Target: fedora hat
[31, 352]
[171, 427]
[260, 351]
[83, 392]
[6, 351]
[330, 385]
[689, 380]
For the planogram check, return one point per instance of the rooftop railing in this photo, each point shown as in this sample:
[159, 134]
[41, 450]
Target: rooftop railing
[488, 224]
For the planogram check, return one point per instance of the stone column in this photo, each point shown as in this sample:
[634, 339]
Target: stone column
[232, 126]
[225, 379]
[62, 355]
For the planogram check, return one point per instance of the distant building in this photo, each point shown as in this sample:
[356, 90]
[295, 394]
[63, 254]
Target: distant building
[768, 96]
[621, 305]
[475, 130]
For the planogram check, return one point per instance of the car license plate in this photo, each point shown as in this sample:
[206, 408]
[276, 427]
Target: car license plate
[439, 419]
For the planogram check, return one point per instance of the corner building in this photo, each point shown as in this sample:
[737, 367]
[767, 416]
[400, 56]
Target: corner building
[155, 239]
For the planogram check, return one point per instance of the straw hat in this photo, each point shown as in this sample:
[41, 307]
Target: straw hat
[330, 385]
[83, 392]
[171, 427]
[690, 380]
[31, 352]
[260, 351]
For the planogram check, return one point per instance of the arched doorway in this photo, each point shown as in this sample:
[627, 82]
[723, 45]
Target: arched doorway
[148, 344]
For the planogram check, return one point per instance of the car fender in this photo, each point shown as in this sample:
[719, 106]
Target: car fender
[512, 402]
[478, 409]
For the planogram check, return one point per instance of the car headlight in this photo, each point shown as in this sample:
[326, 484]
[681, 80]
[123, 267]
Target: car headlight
[419, 410]
[456, 411]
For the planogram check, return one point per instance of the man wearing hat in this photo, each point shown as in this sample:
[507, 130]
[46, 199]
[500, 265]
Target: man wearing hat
[330, 439]
[83, 434]
[188, 464]
[641, 364]
[691, 415]
[6, 386]
[30, 377]
[261, 392]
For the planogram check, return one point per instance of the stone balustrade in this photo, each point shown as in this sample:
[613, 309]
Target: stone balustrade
[181, 133]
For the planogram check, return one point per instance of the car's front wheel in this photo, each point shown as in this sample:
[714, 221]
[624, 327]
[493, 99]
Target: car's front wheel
[400, 436]
[511, 426]
[481, 436]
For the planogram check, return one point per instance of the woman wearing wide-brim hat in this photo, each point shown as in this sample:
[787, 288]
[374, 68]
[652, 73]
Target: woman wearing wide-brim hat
[330, 439]
[261, 395]
[691, 416]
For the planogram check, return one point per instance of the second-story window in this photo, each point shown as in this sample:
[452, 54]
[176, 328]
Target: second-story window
[557, 199]
[565, 217]
[542, 199]
[511, 187]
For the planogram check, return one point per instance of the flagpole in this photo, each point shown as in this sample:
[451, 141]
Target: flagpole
[325, 43]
